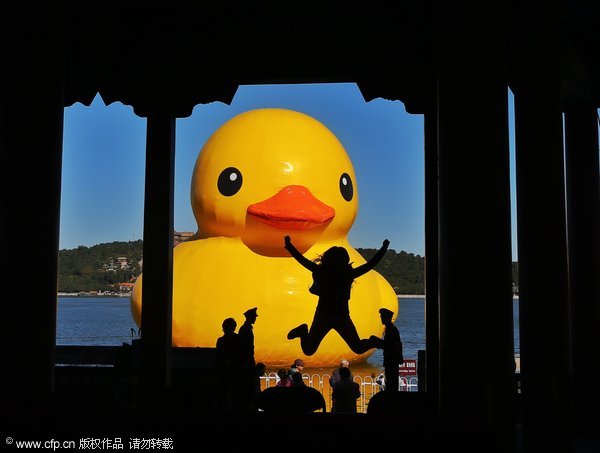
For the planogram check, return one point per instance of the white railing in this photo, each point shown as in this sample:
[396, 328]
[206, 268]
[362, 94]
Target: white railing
[409, 385]
[368, 386]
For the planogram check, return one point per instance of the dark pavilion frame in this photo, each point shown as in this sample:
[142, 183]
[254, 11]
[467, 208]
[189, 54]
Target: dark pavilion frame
[446, 60]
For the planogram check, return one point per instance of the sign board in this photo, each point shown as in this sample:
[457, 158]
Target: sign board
[408, 368]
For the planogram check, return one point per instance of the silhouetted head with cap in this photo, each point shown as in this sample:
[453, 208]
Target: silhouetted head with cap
[386, 315]
[251, 314]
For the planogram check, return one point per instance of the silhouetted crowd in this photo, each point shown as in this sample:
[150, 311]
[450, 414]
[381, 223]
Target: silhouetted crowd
[239, 376]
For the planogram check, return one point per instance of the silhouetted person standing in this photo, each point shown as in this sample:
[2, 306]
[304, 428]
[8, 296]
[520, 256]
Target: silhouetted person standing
[284, 379]
[335, 376]
[297, 367]
[298, 380]
[345, 393]
[228, 364]
[333, 276]
[392, 350]
[247, 362]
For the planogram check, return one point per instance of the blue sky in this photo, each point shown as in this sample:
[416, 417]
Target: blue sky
[104, 158]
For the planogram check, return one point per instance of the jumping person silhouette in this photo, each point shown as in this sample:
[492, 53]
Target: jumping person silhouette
[333, 276]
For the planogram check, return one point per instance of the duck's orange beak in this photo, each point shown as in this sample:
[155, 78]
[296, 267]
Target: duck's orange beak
[292, 208]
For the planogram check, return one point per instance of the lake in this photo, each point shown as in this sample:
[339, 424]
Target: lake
[107, 321]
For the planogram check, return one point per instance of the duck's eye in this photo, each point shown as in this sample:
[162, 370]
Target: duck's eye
[346, 187]
[230, 181]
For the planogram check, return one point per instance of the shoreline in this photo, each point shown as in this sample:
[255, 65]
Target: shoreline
[400, 296]
[85, 295]
[422, 296]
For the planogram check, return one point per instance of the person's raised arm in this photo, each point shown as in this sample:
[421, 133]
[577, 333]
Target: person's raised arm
[310, 265]
[364, 268]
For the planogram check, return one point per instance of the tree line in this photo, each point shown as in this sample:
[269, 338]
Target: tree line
[85, 268]
[404, 271]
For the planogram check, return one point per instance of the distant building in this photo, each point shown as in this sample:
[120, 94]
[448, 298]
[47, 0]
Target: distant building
[110, 267]
[123, 262]
[181, 236]
[125, 287]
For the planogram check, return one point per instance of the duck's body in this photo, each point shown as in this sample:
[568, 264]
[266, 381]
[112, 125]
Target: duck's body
[278, 173]
[217, 278]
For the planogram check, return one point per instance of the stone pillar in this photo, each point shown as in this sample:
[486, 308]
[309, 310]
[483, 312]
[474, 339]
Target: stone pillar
[158, 257]
[543, 290]
[541, 230]
[31, 133]
[583, 220]
[475, 287]
[431, 385]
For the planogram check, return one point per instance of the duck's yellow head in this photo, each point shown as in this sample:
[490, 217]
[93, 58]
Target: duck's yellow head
[271, 172]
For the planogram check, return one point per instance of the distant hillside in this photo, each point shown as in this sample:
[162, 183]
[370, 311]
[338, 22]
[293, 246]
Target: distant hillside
[100, 267]
[103, 266]
[404, 271]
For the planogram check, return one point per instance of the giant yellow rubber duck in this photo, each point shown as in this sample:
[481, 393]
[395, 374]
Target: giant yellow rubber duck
[262, 175]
